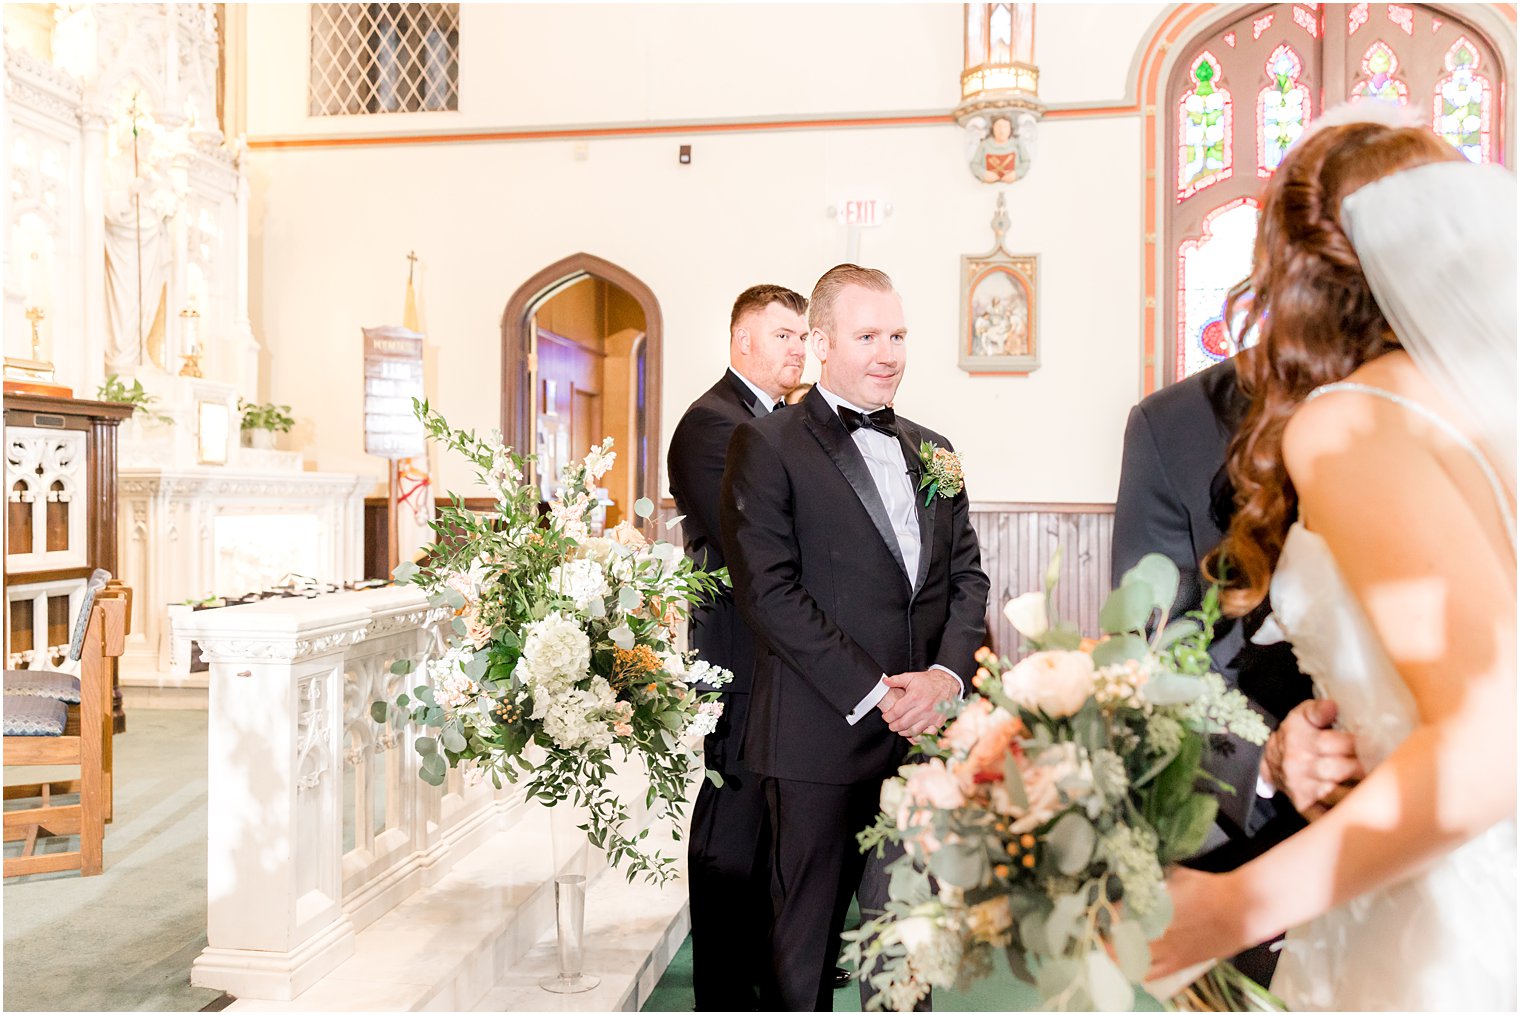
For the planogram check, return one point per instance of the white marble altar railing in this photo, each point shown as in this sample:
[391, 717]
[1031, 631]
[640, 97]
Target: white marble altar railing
[319, 824]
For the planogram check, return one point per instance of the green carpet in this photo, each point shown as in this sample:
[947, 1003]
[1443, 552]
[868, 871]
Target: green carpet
[122, 941]
[996, 993]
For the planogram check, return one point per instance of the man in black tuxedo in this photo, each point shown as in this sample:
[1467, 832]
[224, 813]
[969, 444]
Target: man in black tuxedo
[728, 862]
[868, 605]
[1175, 498]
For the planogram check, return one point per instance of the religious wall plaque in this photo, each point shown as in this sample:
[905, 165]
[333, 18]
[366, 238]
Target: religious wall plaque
[392, 378]
[1000, 308]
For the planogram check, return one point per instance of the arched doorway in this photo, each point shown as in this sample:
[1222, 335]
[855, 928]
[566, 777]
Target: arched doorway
[581, 359]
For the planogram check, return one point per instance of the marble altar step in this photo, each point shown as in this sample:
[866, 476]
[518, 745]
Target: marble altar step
[483, 936]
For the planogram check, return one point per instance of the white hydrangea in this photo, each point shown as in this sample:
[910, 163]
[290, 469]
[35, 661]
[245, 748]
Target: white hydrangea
[582, 718]
[934, 950]
[556, 654]
[582, 580]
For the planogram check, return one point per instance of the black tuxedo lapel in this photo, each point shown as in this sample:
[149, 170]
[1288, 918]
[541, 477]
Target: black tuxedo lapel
[747, 397]
[910, 439]
[826, 426]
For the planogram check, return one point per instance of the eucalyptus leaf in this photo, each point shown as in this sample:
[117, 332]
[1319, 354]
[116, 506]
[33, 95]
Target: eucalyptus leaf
[715, 777]
[1157, 916]
[430, 777]
[622, 637]
[1118, 649]
[1182, 627]
[1172, 689]
[404, 572]
[378, 711]
[1072, 839]
[1130, 949]
[1127, 609]
[453, 740]
[426, 746]
[1159, 574]
[459, 626]
[476, 668]
[1061, 925]
[434, 763]
[909, 884]
[453, 599]
[959, 864]
[643, 507]
[1013, 784]
[401, 666]
[1111, 989]
[1032, 931]
[628, 598]
[1053, 571]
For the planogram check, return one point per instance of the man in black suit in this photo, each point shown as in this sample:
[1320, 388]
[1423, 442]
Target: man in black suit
[728, 862]
[868, 604]
[1175, 498]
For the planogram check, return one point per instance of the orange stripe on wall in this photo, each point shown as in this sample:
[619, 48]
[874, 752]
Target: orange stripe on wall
[331, 141]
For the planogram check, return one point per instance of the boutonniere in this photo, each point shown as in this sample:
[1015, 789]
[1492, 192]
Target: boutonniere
[942, 472]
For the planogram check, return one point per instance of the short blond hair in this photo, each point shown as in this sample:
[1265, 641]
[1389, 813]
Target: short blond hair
[834, 282]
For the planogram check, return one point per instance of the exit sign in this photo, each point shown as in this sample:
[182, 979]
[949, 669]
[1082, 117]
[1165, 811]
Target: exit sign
[861, 211]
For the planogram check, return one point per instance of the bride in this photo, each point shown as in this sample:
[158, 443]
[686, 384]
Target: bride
[1383, 416]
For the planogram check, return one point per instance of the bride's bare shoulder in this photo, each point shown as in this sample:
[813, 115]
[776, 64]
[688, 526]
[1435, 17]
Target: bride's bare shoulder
[1349, 424]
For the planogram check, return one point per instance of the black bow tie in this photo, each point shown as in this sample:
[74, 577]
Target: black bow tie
[882, 420]
[780, 404]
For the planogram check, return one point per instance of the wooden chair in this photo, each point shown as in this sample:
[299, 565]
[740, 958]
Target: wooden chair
[42, 729]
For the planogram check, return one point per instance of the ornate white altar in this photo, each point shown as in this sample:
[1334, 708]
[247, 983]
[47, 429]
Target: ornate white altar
[188, 532]
[319, 826]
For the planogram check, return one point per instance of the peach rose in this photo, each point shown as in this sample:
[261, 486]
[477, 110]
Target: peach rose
[1054, 683]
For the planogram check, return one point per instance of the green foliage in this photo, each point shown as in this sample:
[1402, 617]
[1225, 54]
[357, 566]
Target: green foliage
[265, 416]
[117, 390]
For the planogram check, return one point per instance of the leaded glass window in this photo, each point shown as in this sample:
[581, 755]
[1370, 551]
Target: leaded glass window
[384, 58]
[1205, 115]
[1379, 80]
[1464, 103]
[1279, 55]
[1282, 109]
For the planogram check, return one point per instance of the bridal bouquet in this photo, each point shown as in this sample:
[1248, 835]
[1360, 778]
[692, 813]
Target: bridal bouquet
[563, 642]
[1041, 822]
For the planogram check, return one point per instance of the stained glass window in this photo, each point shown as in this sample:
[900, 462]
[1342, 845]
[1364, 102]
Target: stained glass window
[1261, 24]
[1204, 155]
[1356, 18]
[1403, 17]
[1464, 103]
[1307, 20]
[1378, 80]
[1282, 110]
[1207, 268]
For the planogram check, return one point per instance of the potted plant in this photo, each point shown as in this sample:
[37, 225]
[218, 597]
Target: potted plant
[262, 422]
[116, 390]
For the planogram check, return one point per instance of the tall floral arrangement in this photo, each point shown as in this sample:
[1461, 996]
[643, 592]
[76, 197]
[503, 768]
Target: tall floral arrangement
[562, 650]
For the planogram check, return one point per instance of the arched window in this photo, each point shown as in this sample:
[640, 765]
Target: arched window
[1294, 58]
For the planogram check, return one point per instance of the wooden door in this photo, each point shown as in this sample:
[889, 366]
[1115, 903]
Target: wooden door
[569, 381]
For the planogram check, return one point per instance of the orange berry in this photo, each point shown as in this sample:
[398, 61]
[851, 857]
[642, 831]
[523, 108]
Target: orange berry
[1027, 841]
[1028, 860]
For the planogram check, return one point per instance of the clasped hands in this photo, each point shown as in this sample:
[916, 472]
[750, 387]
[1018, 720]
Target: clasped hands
[911, 705]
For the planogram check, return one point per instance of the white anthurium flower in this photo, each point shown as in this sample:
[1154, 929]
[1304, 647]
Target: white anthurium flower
[1027, 614]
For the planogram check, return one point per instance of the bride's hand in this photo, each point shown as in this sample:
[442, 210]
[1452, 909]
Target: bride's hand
[1206, 923]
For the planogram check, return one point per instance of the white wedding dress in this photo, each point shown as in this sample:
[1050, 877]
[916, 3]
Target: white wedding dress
[1443, 939]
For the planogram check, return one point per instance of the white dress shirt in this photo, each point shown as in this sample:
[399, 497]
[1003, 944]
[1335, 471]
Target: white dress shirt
[766, 402]
[889, 471]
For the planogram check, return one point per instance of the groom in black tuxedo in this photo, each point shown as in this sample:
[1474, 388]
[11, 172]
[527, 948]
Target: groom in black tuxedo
[1175, 498]
[728, 859]
[868, 605]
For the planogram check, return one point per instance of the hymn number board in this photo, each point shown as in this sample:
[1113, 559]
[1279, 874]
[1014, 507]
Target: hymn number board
[392, 378]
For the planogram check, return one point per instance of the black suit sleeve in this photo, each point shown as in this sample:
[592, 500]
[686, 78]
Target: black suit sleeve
[966, 625]
[695, 464]
[1149, 516]
[760, 543]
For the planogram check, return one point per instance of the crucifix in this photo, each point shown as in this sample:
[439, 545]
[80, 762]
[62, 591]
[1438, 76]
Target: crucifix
[411, 256]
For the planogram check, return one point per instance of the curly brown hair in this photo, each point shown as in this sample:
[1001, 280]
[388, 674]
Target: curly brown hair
[1316, 321]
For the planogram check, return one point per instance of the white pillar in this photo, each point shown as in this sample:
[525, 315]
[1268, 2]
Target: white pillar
[93, 270]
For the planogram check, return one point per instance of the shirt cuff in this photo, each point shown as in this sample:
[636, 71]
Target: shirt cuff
[869, 701]
[1264, 787]
[957, 676]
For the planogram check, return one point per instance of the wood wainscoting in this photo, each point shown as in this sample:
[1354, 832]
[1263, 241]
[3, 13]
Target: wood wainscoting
[1018, 541]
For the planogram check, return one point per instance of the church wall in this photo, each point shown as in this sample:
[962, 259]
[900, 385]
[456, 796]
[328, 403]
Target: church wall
[331, 225]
